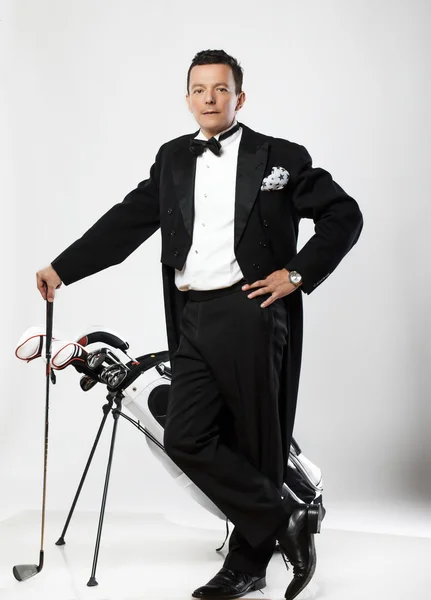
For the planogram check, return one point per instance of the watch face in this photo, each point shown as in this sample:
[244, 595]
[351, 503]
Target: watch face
[295, 277]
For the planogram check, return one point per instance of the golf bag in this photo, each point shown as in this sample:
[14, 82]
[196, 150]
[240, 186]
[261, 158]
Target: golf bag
[144, 386]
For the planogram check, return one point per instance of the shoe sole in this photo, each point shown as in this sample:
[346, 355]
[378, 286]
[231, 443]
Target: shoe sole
[257, 585]
[314, 518]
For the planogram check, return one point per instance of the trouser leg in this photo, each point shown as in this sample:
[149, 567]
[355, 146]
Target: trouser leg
[242, 556]
[229, 355]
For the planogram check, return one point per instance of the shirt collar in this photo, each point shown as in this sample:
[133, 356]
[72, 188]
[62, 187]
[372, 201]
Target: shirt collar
[201, 136]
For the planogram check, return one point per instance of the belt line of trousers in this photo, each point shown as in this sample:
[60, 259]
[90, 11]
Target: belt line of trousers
[222, 427]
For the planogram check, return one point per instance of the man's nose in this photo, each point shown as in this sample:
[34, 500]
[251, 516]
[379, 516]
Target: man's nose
[209, 98]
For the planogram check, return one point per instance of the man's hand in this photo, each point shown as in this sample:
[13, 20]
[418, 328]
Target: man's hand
[277, 284]
[48, 281]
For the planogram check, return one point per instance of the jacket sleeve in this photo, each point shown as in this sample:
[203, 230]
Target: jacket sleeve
[116, 234]
[337, 218]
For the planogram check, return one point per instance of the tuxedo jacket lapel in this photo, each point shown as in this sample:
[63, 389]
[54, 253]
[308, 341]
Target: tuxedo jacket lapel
[184, 171]
[252, 159]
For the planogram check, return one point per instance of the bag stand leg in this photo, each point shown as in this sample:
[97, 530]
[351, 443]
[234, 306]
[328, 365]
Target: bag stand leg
[106, 410]
[115, 413]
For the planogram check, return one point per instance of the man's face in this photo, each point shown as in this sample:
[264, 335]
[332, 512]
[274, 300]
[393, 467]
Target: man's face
[212, 98]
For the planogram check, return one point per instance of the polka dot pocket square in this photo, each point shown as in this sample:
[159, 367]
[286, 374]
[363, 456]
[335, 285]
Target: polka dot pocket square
[276, 180]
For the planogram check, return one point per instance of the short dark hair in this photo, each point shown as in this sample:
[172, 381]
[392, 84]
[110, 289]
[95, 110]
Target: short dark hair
[212, 57]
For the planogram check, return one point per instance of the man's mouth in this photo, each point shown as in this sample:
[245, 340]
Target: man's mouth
[211, 112]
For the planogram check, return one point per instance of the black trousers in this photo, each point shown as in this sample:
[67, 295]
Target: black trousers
[222, 427]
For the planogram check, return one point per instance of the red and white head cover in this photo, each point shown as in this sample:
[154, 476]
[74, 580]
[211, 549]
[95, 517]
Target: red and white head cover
[65, 353]
[31, 345]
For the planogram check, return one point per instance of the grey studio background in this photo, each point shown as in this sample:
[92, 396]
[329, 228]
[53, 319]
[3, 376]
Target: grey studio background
[90, 90]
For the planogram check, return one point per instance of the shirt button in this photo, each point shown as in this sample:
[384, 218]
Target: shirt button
[255, 266]
[203, 224]
[173, 232]
[263, 244]
[176, 252]
[205, 195]
[207, 166]
[169, 211]
[196, 252]
[265, 223]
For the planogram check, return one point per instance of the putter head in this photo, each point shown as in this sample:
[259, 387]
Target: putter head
[22, 572]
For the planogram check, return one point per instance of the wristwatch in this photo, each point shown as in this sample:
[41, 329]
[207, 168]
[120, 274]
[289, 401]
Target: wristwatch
[295, 277]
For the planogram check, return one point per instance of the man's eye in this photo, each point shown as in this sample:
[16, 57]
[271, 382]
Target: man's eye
[224, 89]
[197, 91]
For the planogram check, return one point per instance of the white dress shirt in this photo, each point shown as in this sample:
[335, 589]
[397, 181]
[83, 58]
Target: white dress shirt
[211, 262]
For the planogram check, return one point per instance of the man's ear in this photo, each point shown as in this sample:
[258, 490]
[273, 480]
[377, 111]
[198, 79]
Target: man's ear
[188, 102]
[241, 99]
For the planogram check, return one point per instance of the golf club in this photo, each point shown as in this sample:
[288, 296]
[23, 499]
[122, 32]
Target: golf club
[22, 572]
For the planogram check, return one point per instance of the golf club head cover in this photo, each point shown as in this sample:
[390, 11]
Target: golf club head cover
[31, 343]
[66, 353]
[103, 336]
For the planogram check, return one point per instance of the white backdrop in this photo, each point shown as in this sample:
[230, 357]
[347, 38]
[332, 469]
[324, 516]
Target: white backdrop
[91, 89]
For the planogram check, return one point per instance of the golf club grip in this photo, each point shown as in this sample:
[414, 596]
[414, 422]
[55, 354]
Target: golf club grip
[105, 338]
[49, 319]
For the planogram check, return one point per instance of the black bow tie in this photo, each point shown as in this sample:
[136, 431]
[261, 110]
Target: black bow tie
[197, 147]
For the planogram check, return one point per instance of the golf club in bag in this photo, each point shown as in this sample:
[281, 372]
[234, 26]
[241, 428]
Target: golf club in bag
[142, 385]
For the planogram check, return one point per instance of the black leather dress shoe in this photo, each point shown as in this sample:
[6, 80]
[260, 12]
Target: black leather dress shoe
[297, 545]
[229, 584]
[277, 545]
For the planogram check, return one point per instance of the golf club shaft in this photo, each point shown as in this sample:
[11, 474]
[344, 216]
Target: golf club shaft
[49, 319]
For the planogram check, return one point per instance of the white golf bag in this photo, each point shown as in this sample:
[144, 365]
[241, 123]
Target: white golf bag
[144, 384]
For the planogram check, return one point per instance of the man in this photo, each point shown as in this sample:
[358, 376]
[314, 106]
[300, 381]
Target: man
[228, 201]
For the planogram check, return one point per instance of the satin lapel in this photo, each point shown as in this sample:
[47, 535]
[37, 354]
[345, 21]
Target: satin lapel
[184, 171]
[252, 159]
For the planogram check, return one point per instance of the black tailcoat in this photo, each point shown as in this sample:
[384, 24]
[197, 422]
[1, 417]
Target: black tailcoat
[265, 233]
